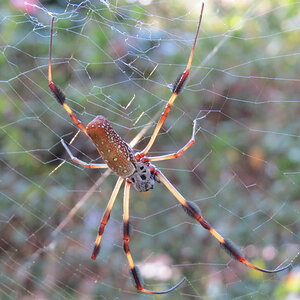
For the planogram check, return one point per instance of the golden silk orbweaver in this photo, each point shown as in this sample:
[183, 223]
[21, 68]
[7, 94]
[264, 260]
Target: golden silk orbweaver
[136, 169]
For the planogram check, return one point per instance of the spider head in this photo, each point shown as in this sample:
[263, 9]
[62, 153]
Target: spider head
[142, 179]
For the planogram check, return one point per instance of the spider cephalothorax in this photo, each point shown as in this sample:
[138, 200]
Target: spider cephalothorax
[136, 170]
[143, 179]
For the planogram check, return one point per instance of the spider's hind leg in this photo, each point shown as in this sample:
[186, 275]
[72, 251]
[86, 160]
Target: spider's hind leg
[56, 91]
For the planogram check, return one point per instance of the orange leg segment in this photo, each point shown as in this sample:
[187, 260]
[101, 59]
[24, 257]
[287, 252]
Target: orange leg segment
[177, 88]
[190, 143]
[82, 163]
[193, 211]
[126, 237]
[56, 91]
[106, 216]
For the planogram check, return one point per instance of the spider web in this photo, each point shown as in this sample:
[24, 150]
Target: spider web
[119, 59]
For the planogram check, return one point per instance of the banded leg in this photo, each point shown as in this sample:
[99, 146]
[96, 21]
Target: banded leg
[80, 162]
[190, 143]
[56, 91]
[126, 237]
[177, 88]
[193, 211]
[106, 216]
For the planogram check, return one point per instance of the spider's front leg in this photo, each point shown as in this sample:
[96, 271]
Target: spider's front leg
[126, 237]
[177, 88]
[193, 211]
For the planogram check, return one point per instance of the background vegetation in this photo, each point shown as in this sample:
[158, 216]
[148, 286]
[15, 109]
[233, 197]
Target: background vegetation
[243, 171]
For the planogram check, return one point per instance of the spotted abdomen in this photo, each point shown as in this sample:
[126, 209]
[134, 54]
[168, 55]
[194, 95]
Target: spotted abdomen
[115, 152]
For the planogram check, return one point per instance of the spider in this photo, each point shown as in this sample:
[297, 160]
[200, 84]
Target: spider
[136, 169]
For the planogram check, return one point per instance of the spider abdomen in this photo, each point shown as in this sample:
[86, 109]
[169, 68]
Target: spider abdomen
[115, 152]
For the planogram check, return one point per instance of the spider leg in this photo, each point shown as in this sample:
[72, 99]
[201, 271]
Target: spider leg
[193, 211]
[80, 162]
[190, 143]
[56, 91]
[126, 237]
[177, 88]
[106, 216]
